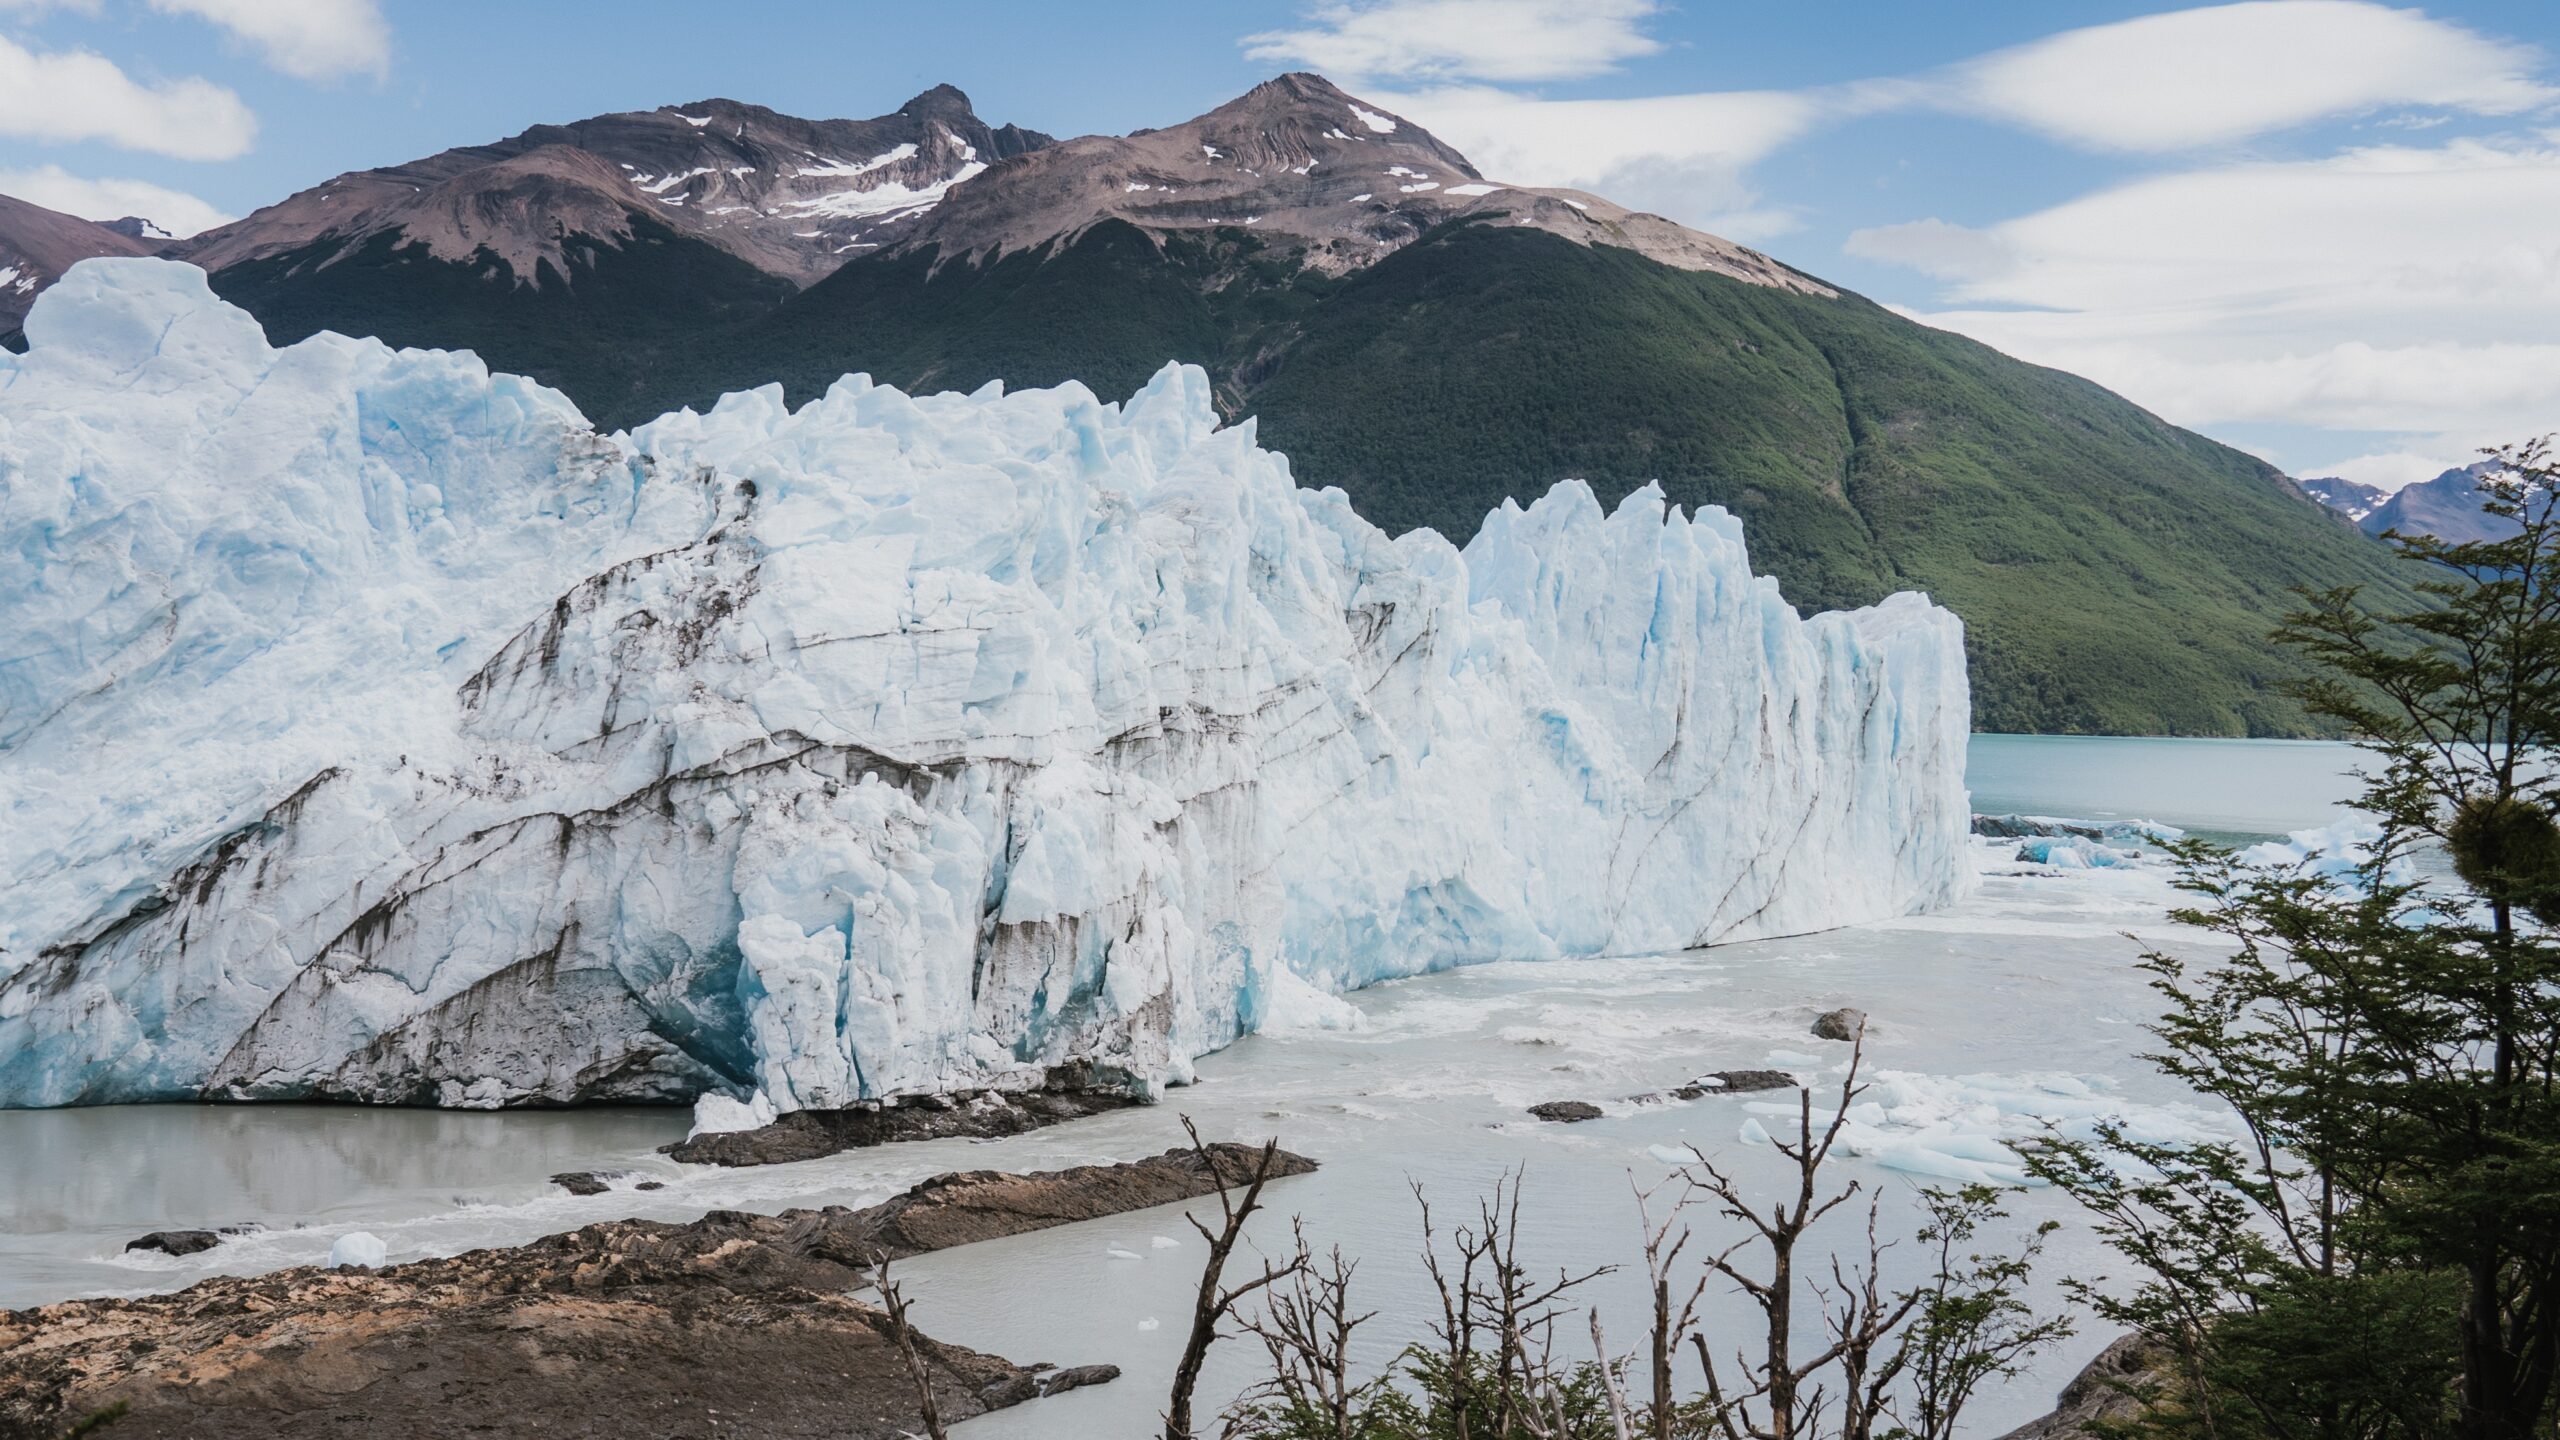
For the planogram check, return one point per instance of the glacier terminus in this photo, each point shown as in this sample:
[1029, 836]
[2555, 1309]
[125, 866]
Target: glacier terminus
[372, 728]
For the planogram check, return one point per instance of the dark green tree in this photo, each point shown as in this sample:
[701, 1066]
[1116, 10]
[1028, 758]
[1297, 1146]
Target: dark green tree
[2379, 1255]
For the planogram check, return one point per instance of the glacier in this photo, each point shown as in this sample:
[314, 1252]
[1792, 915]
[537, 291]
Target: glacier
[371, 728]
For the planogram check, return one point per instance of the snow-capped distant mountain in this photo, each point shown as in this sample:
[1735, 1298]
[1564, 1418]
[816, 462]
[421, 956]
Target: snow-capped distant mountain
[788, 196]
[2350, 498]
[2447, 507]
[37, 245]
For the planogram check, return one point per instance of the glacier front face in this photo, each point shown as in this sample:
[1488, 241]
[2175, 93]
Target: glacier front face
[371, 728]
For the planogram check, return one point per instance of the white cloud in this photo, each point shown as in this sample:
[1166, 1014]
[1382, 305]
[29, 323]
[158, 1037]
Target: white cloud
[2181, 80]
[2393, 469]
[2194, 78]
[75, 95]
[2389, 289]
[1935, 248]
[1443, 41]
[1678, 155]
[309, 39]
[54, 188]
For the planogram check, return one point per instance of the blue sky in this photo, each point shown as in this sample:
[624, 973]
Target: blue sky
[2326, 230]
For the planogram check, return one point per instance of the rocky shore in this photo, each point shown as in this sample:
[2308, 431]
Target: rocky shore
[734, 1324]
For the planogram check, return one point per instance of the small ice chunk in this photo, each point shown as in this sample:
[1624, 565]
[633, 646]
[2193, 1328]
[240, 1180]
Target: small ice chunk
[1147, 1324]
[1165, 1242]
[1754, 1133]
[716, 1114]
[358, 1247]
[1674, 1154]
[1123, 1252]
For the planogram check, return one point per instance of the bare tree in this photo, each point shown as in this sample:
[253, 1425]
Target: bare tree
[893, 1298]
[1214, 1303]
[1493, 1364]
[1774, 1397]
[1888, 1365]
[1672, 1324]
[1307, 1327]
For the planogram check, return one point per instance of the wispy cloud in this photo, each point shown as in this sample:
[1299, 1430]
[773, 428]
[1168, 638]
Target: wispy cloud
[55, 188]
[308, 39]
[2179, 81]
[1686, 156]
[1503, 42]
[2391, 288]
[75, 95]
[2190, 79]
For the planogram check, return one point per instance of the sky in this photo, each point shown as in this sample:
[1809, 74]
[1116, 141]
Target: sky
[2326, 231]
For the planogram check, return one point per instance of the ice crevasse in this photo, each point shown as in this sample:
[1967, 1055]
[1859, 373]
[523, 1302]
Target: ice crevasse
[372, 728]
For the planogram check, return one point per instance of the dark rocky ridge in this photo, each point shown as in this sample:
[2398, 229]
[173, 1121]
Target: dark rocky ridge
[788, 196]
[732, 1324]
[1303, 165]
[812, 1134]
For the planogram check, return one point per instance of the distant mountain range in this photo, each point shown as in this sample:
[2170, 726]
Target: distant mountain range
[2447, 507]
[1432, 340]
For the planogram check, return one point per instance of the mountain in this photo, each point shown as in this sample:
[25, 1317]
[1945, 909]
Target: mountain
[452, 753]
[588, 255]
[37, 245]
[2447, 507]
[2348, 497]
[1437, 342]
[1299, 164]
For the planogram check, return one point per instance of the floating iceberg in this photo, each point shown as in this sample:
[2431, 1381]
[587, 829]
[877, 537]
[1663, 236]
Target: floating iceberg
[2338, 852]
[372, 728]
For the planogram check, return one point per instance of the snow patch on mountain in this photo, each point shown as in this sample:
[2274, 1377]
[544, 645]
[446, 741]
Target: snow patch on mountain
[379, 731]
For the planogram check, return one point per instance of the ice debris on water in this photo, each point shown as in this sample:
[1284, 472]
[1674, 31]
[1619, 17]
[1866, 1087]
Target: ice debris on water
[358, 1247]
[375, 729]
[719, 1114]
[2337, 852]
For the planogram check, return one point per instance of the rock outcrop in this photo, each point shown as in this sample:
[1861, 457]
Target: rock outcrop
[736, 1323]
[812, 1134]
[2108, 1391]
[1845, 1023]
[1566, 1112]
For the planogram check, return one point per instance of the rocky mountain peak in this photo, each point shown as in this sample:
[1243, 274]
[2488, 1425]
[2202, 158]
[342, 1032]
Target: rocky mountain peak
[792, 197]
[944, 101]
[1340, 180]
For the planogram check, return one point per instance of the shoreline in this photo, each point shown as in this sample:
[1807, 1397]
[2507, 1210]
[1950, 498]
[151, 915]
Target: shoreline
[622, 1327]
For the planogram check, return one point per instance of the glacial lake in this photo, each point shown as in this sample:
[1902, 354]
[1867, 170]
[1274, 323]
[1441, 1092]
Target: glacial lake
[2021, 1003]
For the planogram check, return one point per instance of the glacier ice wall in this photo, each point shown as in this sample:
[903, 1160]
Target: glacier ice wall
[371, 728]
